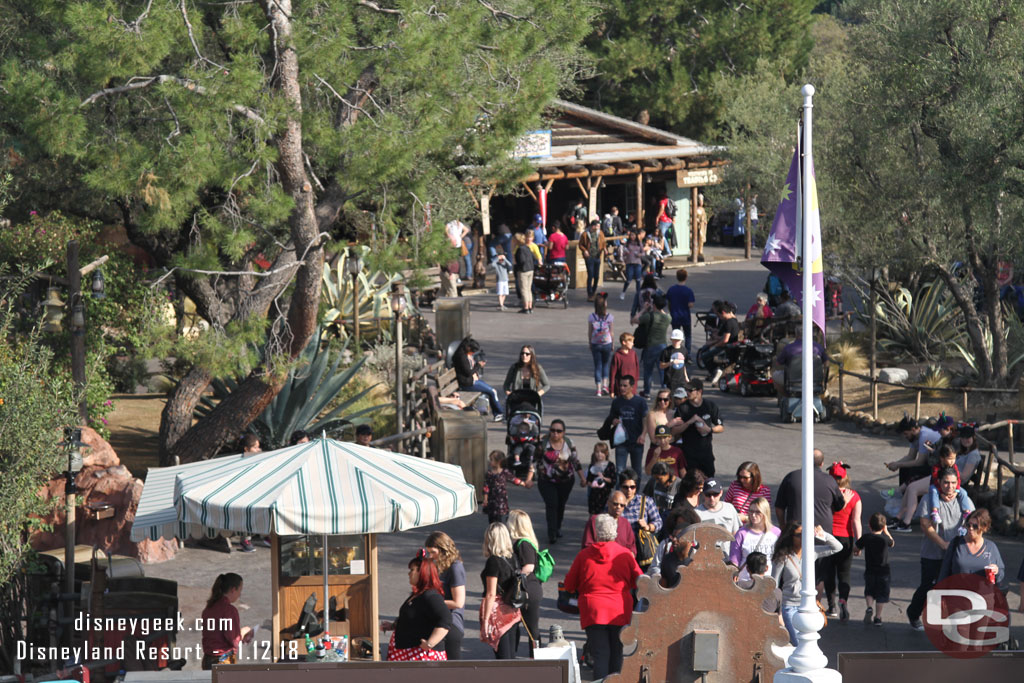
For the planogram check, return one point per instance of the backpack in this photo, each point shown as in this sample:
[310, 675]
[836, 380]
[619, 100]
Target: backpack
[545, 563]
[670, 208]
[515, 593]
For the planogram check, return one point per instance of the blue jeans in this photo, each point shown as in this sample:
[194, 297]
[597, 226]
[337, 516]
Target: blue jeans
[788, 612]
[668, 232]
[634, 271]
[593, 268]
[488, 391]
[602, 354]
[632, 452]
[468, 257]
[649, 360]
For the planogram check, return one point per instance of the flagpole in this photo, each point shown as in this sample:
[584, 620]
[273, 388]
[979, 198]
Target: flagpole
[808, 662]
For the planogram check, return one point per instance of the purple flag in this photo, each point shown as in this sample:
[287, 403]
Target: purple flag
[782, 251]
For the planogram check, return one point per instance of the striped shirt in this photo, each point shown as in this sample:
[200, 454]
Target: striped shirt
[740, 497]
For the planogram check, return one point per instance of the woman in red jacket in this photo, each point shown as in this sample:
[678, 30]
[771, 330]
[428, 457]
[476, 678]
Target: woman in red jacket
[604, 574]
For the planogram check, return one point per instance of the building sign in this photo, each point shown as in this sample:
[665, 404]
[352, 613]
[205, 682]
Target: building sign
[697, 177]
[533, 144]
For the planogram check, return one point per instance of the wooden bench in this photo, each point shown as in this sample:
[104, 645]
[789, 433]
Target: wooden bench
[448, 385]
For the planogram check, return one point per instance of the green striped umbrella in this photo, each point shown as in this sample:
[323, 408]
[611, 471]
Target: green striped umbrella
[320, 487]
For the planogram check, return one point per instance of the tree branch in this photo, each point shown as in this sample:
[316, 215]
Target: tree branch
[139, 82]
[377, 8]
[192, 38]
[502, 14]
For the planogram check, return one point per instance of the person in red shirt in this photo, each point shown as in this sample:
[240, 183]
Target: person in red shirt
[624, 362]
[604, 574]
[846, 527]
[663, 451]
[557, 242]
[221, 645]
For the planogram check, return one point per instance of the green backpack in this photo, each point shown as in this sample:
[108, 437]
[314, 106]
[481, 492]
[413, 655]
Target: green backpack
[545, 563]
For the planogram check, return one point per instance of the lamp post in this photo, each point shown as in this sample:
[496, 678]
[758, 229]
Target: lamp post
[72, 444]
[397, 306]
[354, 265]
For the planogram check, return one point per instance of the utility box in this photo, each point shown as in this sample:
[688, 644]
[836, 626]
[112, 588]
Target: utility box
[451, 320]
[461, 439]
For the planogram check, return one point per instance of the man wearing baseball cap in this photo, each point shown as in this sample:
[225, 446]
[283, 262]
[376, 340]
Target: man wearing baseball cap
[672, 362]
[716, 510]
[696, 422]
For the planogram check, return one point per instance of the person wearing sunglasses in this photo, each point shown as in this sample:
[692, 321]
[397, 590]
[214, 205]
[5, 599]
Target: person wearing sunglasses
[557, 466]
[624, 536]
[696, 422]
[972, 553]
[527, 373]
[716, 510]
[659, 415]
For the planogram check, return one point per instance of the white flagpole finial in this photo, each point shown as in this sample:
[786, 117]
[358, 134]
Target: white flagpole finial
[807, 90]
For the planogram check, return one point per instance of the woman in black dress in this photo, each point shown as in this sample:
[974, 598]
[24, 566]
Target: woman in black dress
[526, 547]
[423, 619]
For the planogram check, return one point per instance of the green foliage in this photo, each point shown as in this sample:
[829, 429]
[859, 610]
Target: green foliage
[665, 57]
[374, 298]
[1014, 336]
[40, 240]
[35, 404]
[936, 377]
[311, 386]
[922, 323]
[849, 354]
[934, 95]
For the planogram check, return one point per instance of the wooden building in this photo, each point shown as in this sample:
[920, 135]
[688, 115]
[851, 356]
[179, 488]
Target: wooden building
[607, 161]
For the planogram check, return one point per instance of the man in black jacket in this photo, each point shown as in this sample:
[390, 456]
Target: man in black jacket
[827, 497]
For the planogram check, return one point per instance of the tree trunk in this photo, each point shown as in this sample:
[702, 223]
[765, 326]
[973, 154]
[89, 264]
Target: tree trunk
[232, 415]
[972, 324]
[994, 313]
[176, 418]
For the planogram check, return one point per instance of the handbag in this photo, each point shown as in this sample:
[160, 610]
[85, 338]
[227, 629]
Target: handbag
[607, 431]
[515, 593]
[568, 601]
[641, 333]
[646, 542]
[498, 622]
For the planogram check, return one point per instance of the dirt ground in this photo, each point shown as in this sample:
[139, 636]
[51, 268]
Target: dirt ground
[894, 402]
[135, 430]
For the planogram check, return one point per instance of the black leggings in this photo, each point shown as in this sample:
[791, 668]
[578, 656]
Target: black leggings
[507, 644]
[839, 565]
[555, 495]
[531, 613]
[605, 648]
[453, 644]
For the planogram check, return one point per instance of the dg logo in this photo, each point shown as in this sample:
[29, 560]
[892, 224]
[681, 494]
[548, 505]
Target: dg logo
[966, 617]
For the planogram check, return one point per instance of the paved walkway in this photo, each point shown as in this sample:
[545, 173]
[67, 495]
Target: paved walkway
[752, 431]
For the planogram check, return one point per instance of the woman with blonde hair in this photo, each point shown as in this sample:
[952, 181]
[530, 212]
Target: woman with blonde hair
[756, 535]
[499, 622]
[526, 548]
[453, 588]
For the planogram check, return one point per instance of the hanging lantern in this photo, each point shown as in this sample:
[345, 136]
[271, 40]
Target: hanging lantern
[98, 285]
[78, 318]
[54, 311]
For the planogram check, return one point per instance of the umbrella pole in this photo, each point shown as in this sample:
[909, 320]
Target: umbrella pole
[327, 599]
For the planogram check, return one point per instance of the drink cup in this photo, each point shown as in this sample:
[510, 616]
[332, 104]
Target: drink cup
[990, 575]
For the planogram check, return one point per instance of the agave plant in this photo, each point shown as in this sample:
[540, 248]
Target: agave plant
[374, 298]
[921, 323]
[1014, 331]
[310, 388]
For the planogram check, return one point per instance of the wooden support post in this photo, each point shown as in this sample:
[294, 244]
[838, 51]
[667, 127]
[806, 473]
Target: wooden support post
[1010, 451]
[874, 399]
[640, 200]
[842, 397]
[917, 406]
[694, 233]
[592, 185]
[485, 210]
[547, 187]
[585, 191]
[529, 191]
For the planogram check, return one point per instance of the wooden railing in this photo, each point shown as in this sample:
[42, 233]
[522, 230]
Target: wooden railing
[1017, 471]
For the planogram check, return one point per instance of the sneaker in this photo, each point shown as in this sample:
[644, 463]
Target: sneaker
[501, 307]
[599, 393]
[902, 528]
[499, 418]
[844, 612]
[717, 376]
[265, 542]
[247, 546]
[878, 621]
[868, 614]
[916, 624]
[832, 613]
[622, 296]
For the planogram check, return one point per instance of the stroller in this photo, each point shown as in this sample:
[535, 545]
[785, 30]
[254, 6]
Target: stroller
[791, 405]
[550, 282]
[524, 412]
[752, 371]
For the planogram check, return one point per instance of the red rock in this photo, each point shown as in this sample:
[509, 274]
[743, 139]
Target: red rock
[103, 479]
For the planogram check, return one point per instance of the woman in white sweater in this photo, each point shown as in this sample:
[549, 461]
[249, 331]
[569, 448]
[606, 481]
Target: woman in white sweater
[787, 570]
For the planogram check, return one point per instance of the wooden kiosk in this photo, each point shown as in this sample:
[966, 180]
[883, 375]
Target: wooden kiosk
[297, 572]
